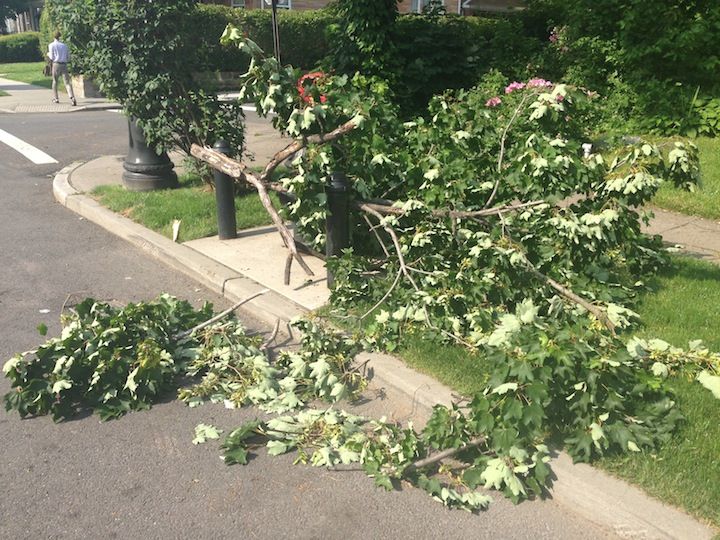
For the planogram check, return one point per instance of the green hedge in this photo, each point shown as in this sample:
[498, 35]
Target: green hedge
[450, 52]
[302, 36]
[434, 54]
[23, 47]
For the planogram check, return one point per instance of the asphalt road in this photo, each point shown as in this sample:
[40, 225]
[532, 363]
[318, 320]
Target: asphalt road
[140, 476]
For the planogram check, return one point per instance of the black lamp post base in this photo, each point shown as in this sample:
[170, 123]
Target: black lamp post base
[145, 169]
[148, 181]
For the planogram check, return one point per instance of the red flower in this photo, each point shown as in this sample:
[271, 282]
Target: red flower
[303, 89]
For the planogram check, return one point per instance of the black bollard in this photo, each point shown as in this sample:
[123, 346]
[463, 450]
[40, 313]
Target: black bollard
[337, 222]
[225, 197]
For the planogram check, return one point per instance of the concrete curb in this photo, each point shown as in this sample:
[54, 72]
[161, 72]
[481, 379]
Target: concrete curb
[68, 110]
[608, 502]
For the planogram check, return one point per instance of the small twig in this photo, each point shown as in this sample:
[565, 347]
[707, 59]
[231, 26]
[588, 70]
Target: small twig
[272, 336]
[601, 314]
[358, 367]
[220, 316]
[377, 236]
[385, 297]
[502, 150]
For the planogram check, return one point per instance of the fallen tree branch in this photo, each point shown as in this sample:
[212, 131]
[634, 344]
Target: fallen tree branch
[435, 458]
[220, 316]
[299, 144]
[239, 170]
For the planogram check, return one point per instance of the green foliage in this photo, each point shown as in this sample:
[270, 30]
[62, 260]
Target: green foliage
[656, 57]
[237, 372]
[138, 55]
[108, 359]
[471, 47]
[191, 203]
[302, 36]
[362, 38]
[23, 47]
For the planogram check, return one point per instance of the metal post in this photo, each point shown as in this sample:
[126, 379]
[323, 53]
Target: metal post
[276, 32]
[225, 198]
[337, 222]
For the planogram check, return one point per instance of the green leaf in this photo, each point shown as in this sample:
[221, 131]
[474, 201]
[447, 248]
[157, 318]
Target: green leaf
[505, 388]
[61, 385]
[384, 481]
[472, 477]
[275, 448]
[204, 432]
[42, 329]
[711, 382]
[237, 455]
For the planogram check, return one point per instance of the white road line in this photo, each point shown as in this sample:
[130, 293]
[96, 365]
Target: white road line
[35, 155]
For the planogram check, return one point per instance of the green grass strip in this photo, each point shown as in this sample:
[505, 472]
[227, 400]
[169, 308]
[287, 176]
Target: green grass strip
[27, 72]
[193, 204]
[686, 472]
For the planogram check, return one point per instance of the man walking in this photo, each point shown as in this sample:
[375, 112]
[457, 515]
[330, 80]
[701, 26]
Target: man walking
[59, 54]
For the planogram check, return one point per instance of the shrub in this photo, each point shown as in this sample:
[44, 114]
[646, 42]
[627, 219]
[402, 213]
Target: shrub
[144, 56]
[658, 60]
[452, 52]
[23, 47]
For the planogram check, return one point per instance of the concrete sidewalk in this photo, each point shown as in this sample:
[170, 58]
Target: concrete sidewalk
[28, 98]
[254, 261]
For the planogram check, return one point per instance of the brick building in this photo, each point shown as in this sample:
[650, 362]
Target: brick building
[464, 7]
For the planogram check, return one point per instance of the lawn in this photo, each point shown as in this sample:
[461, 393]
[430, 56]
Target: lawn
[705, 202]
[686, 472]
[192, 203]
[27, 72]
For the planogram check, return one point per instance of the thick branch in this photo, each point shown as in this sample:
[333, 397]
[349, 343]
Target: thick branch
[238, 170]
[281, 227]
[570, 295]
[435, 458]
[219, 161]
[454, 214]
[299, 144]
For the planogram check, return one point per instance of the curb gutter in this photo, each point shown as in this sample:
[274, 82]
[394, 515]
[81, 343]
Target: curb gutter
[599, 498]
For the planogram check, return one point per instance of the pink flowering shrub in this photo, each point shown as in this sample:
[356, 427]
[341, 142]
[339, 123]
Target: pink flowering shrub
[515, 85]
[539, 83]
[493, 102]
